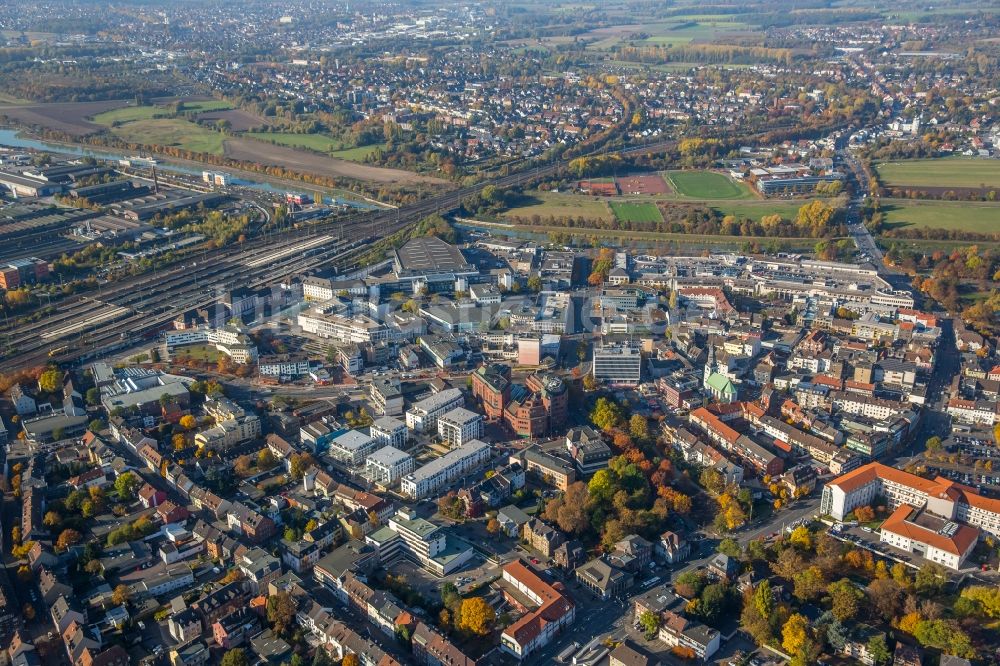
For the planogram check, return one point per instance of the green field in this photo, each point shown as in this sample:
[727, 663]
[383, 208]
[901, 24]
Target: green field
[148, 112]
[982, 218]
[758, 209]
[627, 211]
[319, 142]
[545, 204]
[172, 132]
[941, 172]
[699, 184]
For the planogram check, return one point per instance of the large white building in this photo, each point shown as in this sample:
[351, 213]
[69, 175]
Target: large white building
[938, 519]
[459, 426]
[353, 447]
[419, 541]
[231, 340]
[618, 364]
[388, 465]
[423, 415]
[440, 472]
[391, 431]
[358, 329]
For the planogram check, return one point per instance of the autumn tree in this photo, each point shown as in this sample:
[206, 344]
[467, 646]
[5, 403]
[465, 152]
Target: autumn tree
[650, 622]
[493, 526]
[477, 616]
[67, 538]
[188, 421]
[638, 427]
[845, 599]
[794, 634]
[350, 659]
[281, 611]
[300, 464]
[122, 594]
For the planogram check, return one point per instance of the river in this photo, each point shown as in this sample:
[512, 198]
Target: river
[13, 139]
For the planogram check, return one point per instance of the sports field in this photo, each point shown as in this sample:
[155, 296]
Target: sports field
[699, 184]
[956, 172]
[627, 211]
[981, 218]
[172, 132]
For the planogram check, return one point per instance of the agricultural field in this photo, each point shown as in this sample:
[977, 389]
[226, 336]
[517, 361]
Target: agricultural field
[699, 184]
[318, 142]
[545, 204]
[357, 154]
[172, 132]
[631, 211]
[976, 217]
[68, 117]
[938, 173]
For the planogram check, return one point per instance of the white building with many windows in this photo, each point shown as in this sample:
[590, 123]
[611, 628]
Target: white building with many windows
[938, 519]
[440, 472]
[423, 415]
[353, 447]
[618, 364]
[391, 431]
[387, 465]
[459, 426]
[420, 541]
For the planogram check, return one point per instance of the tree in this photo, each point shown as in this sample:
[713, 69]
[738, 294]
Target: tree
[266, 459]
[127, 486]
[350, 659]
[801, 537]
[493, 526]
[242, 465]
[589, 383]
[235, 657]
[569, 511]
[67, 538]
[713, 602]
[651, 623]
[122, 595]
[864, 514]
[930, 579]
[638, 427]
[300, 464]
[96, 425]
[845, 599]
[477, 616]
[281, 611]
[878, 649]
[187, 421]
[730, 547]
[51, 519]
[50, 381]
[93, 397]
[15, 534]
[808, 584]
[763, 599]
[794, 634]
[606, 414]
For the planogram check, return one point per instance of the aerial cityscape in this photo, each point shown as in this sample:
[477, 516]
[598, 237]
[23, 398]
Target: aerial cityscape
[499, 332]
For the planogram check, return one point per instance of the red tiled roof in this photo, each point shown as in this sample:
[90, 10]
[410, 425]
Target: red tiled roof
[958, 544]
[553, 608]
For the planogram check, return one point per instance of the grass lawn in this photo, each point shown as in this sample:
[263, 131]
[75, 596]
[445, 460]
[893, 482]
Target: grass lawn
[550, 203]
[636, 212]
[172, 132]
[699, 184]
[758, 209]
[148, 112]
[977, 217]
[318, 142]
[198, 352]
[10, 99]
[941, 172]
